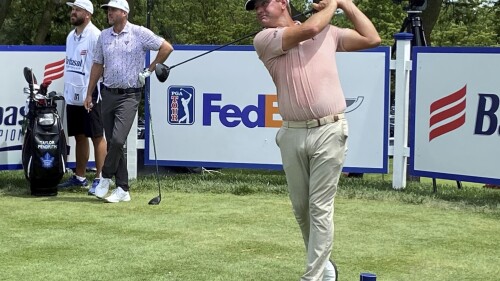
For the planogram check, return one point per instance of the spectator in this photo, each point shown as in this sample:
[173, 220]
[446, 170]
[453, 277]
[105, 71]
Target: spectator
[120, 58]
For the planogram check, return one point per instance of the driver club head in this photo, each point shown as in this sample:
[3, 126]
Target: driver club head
[155, 201]
[162, 71]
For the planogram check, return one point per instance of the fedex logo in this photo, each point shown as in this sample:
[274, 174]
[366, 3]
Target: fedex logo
[231, 115]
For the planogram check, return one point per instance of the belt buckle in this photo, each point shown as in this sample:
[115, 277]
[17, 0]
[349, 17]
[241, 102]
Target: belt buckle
[318, 122]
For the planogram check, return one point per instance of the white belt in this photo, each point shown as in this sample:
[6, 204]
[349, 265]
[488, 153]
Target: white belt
[313, 123]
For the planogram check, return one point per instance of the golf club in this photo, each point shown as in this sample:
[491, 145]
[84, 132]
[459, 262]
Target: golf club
[156, 200]
[162, 71]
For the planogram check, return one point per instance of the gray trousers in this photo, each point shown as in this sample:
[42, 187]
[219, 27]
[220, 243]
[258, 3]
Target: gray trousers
[118, 114]
[313, 160]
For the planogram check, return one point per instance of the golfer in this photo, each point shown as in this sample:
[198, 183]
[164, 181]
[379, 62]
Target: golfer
[301, 61]
[122, 50]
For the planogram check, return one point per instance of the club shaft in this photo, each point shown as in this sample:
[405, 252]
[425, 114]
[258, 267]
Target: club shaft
[218, 48]
[154, 145]
[232, 42]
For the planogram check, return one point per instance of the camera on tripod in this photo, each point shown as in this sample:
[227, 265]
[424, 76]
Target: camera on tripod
[413, 5]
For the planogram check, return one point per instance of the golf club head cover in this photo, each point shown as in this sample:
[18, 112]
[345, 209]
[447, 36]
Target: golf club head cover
[44, 86]
[142, 77]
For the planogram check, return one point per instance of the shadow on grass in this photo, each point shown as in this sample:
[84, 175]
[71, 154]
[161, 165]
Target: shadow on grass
[420, 193]
[25, 193]
[89, 199]
[246, 182]
[15, 185]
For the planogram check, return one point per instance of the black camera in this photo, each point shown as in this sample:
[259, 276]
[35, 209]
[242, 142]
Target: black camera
[413, 5]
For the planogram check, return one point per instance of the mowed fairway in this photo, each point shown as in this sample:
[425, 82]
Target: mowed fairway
[214, 231]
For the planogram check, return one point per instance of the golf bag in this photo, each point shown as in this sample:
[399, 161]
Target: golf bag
[44, 152]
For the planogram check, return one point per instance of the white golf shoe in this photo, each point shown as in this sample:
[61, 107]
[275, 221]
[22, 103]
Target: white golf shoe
[118, 195]
[102, 188]
[330, 273]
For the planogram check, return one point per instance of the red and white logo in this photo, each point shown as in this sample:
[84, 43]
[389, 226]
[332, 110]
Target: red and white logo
[54, 71]
[447, 114]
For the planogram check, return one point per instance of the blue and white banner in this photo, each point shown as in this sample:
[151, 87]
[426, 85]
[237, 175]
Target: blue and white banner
[455, 132]
[217, 111]
[220, 110]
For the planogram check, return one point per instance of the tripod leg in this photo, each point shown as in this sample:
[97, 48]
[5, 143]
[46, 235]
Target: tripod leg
[418, 32]
[404, 27]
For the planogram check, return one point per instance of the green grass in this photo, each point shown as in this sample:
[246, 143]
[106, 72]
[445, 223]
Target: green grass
[239, 226]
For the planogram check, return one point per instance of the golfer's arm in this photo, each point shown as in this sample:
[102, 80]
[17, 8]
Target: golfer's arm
[162, 55]
[364, 35]
[95, 73]
[292, 36]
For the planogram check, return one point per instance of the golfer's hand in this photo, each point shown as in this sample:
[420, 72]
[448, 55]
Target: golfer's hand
[142, 77]
[343, 4]
[87, 103]
[320, 5]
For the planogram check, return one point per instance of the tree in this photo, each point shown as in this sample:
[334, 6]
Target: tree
[430, 17]
[467, 23]
[446, 22]
[45, 23]
[4, 10]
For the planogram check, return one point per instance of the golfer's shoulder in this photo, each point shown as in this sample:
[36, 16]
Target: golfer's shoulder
[267, 34]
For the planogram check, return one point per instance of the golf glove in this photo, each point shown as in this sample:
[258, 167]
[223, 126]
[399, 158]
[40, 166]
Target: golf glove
[142, 77]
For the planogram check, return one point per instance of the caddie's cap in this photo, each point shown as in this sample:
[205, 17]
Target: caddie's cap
[83, 4]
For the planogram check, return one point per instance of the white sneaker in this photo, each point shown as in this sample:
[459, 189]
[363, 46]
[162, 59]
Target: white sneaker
[102, 188]
[330, 272]
[118, 195]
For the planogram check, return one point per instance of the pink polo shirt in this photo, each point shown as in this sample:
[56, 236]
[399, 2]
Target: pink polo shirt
[305, 76]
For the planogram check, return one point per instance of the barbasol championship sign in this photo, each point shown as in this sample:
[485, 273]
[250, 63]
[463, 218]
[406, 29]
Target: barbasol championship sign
[455, 131]
[47, 63]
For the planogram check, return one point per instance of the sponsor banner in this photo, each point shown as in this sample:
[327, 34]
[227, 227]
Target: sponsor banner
[47, 63]
[221, 110]
[455, 129]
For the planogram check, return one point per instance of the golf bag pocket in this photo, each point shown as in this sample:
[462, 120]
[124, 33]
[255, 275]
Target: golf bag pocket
[48, 157]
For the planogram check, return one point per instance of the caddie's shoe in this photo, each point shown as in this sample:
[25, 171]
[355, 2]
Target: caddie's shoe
[73, 181]
[102, 188]
[94, 185]
[118, 195]
[330, 273]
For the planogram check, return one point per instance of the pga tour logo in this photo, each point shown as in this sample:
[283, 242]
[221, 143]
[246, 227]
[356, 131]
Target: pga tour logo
[180, 105]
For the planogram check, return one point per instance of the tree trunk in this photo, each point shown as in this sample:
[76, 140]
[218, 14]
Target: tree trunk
[45, 22]
[4, 10]
[430, 17]
[131, 4]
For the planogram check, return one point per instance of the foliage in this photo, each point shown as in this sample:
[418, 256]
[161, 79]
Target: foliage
[468, 23]
[461, 22]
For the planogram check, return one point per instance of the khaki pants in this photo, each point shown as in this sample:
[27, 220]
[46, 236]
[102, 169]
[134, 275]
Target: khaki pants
[312, 160]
